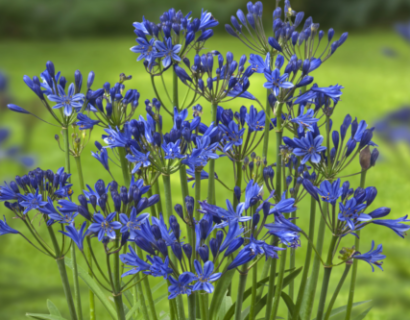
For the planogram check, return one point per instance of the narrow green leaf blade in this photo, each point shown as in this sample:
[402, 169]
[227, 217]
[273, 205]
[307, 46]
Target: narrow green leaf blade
[53, 309]
[288, 301]
[219, 293]
[131, 312]
[40, 316]
[225, 305]
[94, 287]
[363, 314]
[341, 310]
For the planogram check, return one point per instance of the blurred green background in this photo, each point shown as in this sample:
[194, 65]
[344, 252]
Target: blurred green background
[96, 35]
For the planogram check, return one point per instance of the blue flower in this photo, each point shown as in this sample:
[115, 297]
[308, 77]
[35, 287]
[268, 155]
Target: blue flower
[207, 20]
[85, 122]
[202, 153]
[146, 49]
[231, 214]
[179, 117]
[139, 159]
[395, 224]
[104, 226]
[330, 192]
[203, 229]
[76, 235]
[372, 257]
[102, 157]
[99, 187]
[232, 135]
[204, 176]
[351, 212]
[133, 223]
[283, 206]
[253, 193]
[205, 276]
[67, 217]
[116, 138]
[132, 259]
[275, 81]
[32, 201]
[285, 230]
[69, 101]
[167, 51]
[159, 268]
[5, 228]
[172, 150]
[181, 286]
[261, 247]
[332, 92]
[232, 237]
[306, 120]
[258, 64]
[8, 193]
[309, 148]
[244, 256]
[167, 235]
[255, 119]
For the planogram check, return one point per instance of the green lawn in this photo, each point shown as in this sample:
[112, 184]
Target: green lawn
[374, 85]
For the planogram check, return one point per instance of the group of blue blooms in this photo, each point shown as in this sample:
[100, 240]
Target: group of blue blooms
[192, 143]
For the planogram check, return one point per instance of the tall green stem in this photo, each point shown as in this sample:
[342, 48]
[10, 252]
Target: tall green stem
[117, 284]
[157, 191]
[309, 250]
[272, 277]
[336, 293]
[253, 293]
[77, 293]
[326, 277]
[354, 268]
[279, 284]
[211, 179]
[148, 292]
[313, 280]
[268, 111]
[241, 288]
[88, 251]
[168, 208]
[138, 293]
[124, 166]
[63, 274]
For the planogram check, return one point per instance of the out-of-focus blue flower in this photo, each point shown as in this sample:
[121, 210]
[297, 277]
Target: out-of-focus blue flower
[67, 217]
[181, 286]
[285, 230]
[139, 159]
[116, 138]
[69, 101]
[205, 276]
[5, 228]
[167, 51]
[85, 122]
[330, 192]
[32, 201]
[232, 135]
[244, 256]
[136, 263]
[172, 150]
[104, 226]
[233, 235]
[102, 157]
[76, 235]
[261, 247]
[309, 148]
[396, 225]
[7, 193]
[283, 206]
[253, 194]
[258, 64]
[372, 257]
[350, 212]
[132, 223]
[305, 120]
[158, 267]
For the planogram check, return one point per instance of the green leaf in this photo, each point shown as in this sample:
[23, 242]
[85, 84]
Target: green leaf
[94, 287]
[248, 292]
[288, 301]
[341, 310]
[363, 314]
[160, 298]
[40, 316]
[131, 311]
[219, 292]
[53, 309]
[157, 286]
[259, 306]
[225, 305]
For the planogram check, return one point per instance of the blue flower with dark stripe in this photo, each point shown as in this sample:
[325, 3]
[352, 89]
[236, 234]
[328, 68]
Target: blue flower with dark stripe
[372, 257]
[67, 101]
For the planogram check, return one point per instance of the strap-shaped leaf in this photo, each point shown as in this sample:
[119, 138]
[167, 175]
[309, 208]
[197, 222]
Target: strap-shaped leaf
[225, 305]
[53, 309]
[258, 308]
[219, 292]
[40, 316]
[94, 287]
[342, 310]
[288, 301]
[248, 292]
[363, 314]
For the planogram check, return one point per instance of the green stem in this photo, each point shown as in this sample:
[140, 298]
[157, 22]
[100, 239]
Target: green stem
[157, 191]
[326, 277]
[124, 166]
[253, 293]
[138, 293]
[272, 277]
[184, 184]
[175, 91]
[268, 111]
[90, 272]
[153, 209]
[119, 307]
[238, 182]
[148, 292]
[279, 284]
[168, 208]
[336, 293]
[211, 179]
[313, 280]
[63, 274]
[241, 288]
[117, 284]
[77, 293]
[308, 257]
[354, 268]
[279, 134]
